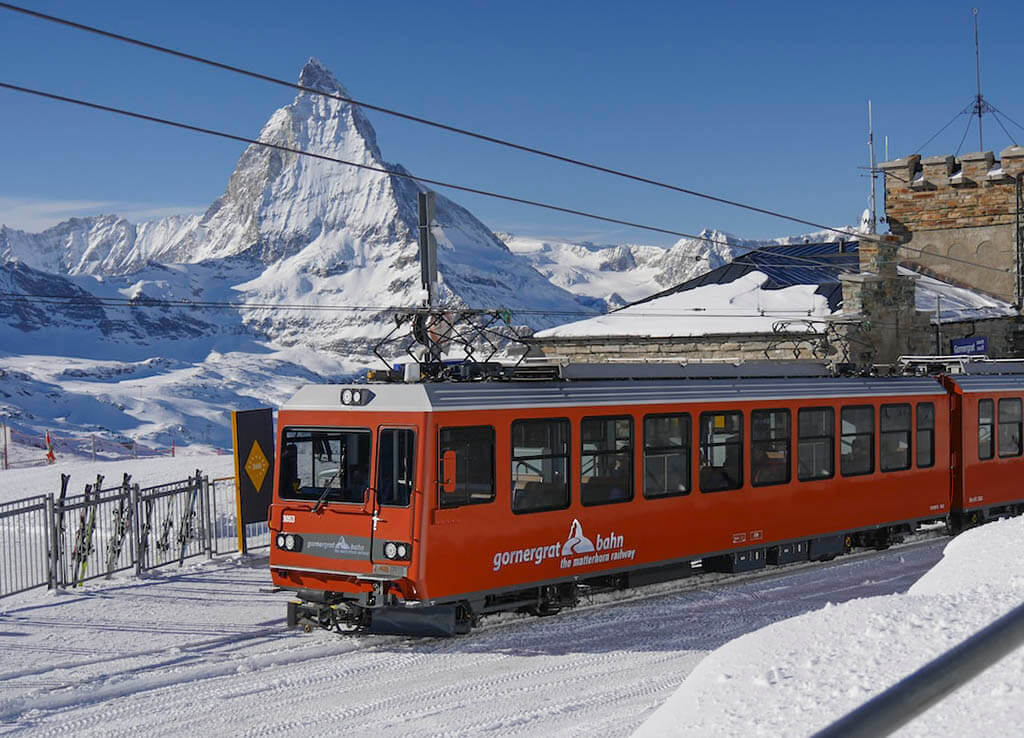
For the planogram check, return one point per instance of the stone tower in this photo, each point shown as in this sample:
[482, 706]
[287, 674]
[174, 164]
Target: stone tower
[965, 208]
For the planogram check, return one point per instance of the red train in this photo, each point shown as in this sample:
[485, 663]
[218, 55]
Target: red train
[421, 507]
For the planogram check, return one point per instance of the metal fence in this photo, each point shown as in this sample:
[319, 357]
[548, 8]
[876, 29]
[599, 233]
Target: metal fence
[25, 540]
[60, 540]
[224, 520]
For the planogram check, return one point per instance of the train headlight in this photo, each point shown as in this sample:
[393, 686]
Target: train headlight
[403, 551]
[289, 542]
[390, 550]
[280, 540]
[356, 397]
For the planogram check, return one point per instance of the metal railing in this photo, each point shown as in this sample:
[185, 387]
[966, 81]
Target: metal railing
[224, 520]
[64, 540]
[25, 540]
[887, 712]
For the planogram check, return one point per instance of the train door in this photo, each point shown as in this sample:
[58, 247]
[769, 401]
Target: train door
[393, 502]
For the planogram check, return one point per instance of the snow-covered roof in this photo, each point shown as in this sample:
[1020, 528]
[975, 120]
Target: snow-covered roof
[756, 291]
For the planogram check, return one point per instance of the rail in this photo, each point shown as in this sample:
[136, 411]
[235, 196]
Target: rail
[887, 712]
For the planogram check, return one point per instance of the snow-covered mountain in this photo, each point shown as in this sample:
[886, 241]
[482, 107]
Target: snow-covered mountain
[313, 233]
[281, 281]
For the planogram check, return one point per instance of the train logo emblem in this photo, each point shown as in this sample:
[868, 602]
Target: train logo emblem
[576, 550]
[577, 542]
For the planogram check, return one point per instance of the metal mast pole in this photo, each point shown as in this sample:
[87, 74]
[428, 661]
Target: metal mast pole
[872, 227]
[979, 103]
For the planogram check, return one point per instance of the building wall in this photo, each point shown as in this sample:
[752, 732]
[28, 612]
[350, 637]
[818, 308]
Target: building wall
[696, 348]
[965, 208]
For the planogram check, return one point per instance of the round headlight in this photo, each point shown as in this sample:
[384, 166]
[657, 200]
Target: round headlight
[390, 550]
[280, 540]
[357, 397]
[289, 541]
[403, 551]
[346, 397]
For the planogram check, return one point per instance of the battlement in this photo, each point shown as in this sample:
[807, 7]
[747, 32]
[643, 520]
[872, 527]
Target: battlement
[957, 216]
[939, 192]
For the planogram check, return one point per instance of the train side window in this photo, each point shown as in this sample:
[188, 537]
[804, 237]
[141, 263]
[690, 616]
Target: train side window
[721, 451]
[1009, 427]
[925, 434]
[894, 436]
[816, 443]
[474, 465]
[769, 447]
[540, 465]
[857, 440]
[666, 455]
[606, 460]
[986, 424]
[396, 462]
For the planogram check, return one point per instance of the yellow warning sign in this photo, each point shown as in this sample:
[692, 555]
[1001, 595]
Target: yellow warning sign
[256, 466]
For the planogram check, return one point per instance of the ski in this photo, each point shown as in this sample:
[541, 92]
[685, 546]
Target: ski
[61, 527]
[87, 548]
[185, 529]
[163, 543]
[79, 546]
[122, 521]
[147, 528]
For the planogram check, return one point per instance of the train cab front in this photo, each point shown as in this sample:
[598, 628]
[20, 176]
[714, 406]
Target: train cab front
[342, 523]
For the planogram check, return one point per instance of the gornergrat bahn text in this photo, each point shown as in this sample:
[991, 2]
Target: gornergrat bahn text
[418, 508]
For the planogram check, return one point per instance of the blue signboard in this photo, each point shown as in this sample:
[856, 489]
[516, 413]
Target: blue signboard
[972, 345]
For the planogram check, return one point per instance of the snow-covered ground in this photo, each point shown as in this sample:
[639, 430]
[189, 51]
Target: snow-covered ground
[204, 650]
[798, 675]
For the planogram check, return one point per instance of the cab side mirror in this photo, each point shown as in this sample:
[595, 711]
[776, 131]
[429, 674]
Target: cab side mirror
[448, 472]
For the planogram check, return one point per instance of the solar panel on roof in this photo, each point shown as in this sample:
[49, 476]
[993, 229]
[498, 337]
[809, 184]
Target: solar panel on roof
[785, 266]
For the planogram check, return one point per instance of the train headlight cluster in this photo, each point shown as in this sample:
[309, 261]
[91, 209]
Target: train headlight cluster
[396, 551]
[289, 542]
[356, 396]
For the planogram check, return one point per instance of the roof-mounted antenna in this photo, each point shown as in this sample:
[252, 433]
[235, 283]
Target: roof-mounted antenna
[979, 103]
[872, 225]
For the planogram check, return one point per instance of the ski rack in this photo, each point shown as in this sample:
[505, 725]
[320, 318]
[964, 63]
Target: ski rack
[480, 335]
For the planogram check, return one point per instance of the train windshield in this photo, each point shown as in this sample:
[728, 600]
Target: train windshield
[328, 464]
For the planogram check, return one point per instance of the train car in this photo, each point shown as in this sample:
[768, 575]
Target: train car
[419, 508]
[987, 461]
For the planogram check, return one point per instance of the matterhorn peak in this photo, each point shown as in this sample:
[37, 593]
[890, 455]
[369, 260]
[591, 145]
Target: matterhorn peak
[317, 77]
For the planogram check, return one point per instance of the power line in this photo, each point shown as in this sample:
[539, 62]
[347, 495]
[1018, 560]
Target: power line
[435, 124]
[819, 263]
[418, 119]
[453, 129]
[391, 172]
[163, 303]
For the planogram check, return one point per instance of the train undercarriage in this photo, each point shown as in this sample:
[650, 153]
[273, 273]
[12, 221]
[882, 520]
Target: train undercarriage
[381, 613]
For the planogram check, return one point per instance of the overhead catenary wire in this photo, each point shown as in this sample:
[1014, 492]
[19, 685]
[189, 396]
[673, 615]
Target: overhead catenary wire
[418, 119]
[394, 172]
[453, 129]
[802, 315]
[462, 188]
[163, 303]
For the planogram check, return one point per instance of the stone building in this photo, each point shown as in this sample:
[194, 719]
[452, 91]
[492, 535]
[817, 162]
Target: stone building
[841, 302]
[959, 217]
[946, 279]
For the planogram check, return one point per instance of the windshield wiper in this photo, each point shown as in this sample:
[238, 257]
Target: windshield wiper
[327, 488]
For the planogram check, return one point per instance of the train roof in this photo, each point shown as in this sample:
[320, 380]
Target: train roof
[442, 396]
[970, 383]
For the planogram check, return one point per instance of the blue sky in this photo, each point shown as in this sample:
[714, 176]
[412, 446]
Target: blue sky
[760, 102]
